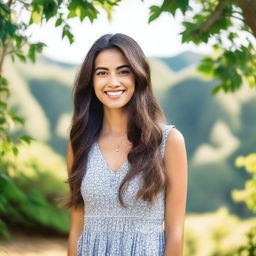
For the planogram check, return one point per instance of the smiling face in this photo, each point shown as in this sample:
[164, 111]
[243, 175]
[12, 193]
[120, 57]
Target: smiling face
[113, 79]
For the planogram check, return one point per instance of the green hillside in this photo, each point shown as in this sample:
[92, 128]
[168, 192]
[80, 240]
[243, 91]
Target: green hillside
[182, 60]
[216, 128]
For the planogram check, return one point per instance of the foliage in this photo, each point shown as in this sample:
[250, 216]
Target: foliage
[8, 145]
[218, 23]
[191, 243]
[220, 231]
[12, 27]
[212, 21]
[250, 248]
[247, 249]
[31, 189]
[8, 118]
[228, 66]
[248, 194]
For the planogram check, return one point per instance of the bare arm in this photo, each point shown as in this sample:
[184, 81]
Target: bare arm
[175, 162]
[77, 214]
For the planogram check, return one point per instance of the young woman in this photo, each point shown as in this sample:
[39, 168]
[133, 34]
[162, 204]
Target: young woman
[127, 168]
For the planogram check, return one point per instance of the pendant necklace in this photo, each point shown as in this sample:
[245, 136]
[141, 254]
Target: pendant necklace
[117, 148]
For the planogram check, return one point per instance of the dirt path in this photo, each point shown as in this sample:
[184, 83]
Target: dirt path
[29, 245]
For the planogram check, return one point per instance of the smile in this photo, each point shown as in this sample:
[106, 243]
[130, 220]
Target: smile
[115, 93]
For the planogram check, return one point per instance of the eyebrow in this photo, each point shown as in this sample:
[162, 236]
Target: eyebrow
[123, 66]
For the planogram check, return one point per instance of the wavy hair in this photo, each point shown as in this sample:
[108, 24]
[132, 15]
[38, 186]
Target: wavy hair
[143, 127]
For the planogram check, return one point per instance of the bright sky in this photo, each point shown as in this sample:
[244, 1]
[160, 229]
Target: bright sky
[157, 39]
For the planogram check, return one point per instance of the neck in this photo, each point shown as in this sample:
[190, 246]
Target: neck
[114, 121]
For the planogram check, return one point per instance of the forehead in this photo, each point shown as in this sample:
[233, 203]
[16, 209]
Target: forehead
[110, 58]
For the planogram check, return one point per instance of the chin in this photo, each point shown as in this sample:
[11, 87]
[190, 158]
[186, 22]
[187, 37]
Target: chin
[115, 106]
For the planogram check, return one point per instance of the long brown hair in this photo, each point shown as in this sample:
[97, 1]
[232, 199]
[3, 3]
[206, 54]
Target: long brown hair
[143, 128]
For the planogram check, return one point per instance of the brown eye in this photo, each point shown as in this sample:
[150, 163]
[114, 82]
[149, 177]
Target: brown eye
[124, 72]
[101, 73]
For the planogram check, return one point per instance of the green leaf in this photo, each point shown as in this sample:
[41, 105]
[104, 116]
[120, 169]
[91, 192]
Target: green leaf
[58, 22]
[40, 46]
[3, 105]
[15, 150]
[72, 14]
[155, 12]
[2, 120]
[33, 49]
[66, 33]
[206, 66]
[188, 33]
[3, 81]
[19, 40]
[172, 6]
[4, 176]
[108, 6]
[88, 10]
[21, 57]
[50, 8]
[26, 138]
[17, 119]
[32, 53]
[184, 5]
[232, 36]
[4, 232]
[10, 28]
[82, 9]
[2, 130]
[36, 17]
[5, 8]
[6, 91]
[216, 89]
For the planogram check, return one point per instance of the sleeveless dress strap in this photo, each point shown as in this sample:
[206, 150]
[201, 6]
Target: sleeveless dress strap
[166, 130]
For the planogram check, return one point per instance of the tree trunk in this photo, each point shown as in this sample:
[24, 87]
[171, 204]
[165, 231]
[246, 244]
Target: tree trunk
[249, 12]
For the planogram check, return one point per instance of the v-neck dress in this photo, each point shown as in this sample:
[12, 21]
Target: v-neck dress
[109, 229]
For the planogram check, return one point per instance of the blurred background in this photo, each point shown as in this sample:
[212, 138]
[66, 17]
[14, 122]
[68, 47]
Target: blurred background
[203, 76]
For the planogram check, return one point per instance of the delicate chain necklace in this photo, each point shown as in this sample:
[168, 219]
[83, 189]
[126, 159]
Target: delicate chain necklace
[117, 148]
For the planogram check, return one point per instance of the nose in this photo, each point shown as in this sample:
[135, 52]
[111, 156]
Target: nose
[114, 81]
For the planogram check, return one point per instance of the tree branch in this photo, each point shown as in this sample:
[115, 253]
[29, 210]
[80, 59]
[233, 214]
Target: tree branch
[2, 56]
[214, 18]
[9, 3]
[238, 18]
[249, 10]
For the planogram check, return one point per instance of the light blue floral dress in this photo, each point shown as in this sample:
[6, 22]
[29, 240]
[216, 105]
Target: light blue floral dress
[110, 229]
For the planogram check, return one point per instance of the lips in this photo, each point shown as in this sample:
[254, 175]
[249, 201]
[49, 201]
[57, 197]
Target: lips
[114, 93]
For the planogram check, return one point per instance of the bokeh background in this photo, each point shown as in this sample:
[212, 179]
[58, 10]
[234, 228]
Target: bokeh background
[219, 131]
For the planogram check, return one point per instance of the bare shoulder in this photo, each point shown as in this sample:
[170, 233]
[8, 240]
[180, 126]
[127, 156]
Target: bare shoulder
[175, 154]
[175, 139]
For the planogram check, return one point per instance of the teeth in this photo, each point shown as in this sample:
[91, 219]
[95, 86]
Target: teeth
[114, 93]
